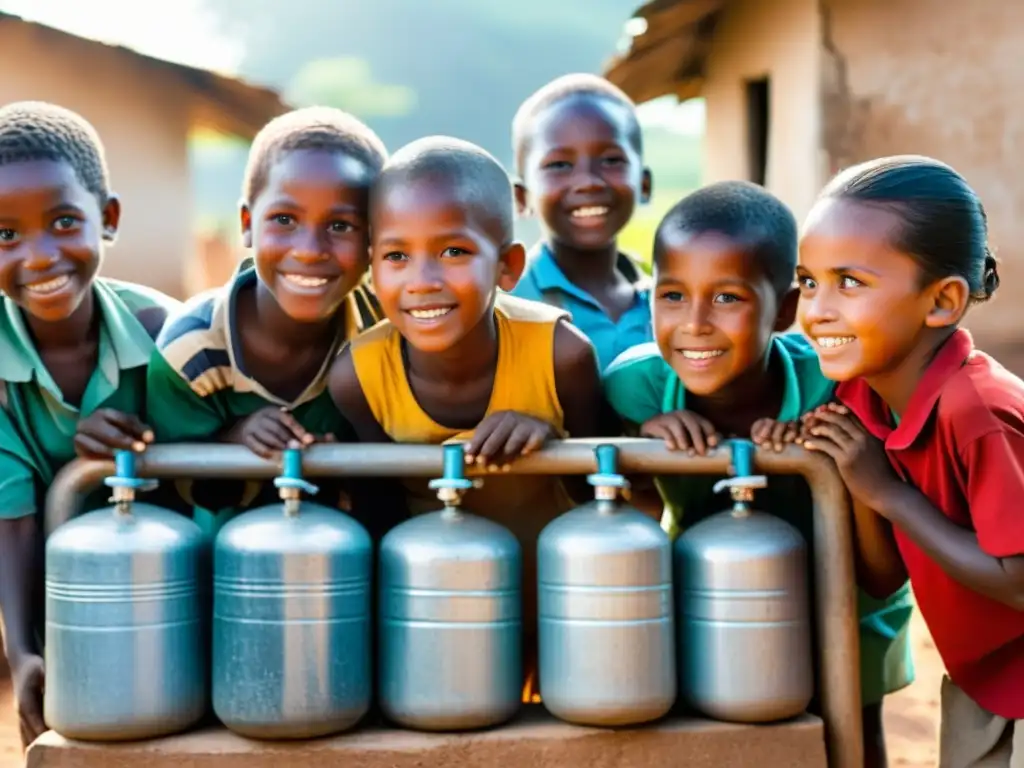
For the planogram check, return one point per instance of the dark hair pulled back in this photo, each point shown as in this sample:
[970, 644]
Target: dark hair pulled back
[944, 227]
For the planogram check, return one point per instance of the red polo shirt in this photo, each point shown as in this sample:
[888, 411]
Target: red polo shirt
[961, 443]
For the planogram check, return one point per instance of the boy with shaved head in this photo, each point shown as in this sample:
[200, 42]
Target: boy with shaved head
[456, 359]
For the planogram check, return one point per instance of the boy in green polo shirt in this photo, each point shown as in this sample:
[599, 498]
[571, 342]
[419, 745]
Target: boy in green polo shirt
[247, 363]
[73, 352]
[724, 265]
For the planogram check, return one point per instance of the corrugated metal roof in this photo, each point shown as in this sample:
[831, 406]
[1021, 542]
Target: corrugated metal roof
[668, 57]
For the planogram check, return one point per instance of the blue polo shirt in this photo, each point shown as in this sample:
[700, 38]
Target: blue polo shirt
[544, 281]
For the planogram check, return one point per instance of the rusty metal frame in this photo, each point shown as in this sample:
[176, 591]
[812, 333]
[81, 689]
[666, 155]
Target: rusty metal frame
[833, 531]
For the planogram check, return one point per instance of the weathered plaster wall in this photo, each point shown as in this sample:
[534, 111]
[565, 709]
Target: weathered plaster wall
[941, 79]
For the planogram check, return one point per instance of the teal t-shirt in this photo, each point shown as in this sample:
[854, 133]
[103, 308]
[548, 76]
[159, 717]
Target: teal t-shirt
[640, 385]
[37, 425]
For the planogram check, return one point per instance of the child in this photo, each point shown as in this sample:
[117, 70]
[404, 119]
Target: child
[456, 360]
[932, 433]
[73, 352]
[579, 157]
[724, 260]
[248, 363]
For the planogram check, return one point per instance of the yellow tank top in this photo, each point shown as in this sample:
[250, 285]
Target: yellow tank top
[524, 382]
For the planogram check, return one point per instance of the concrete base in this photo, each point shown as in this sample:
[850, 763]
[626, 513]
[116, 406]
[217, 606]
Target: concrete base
[535, 740]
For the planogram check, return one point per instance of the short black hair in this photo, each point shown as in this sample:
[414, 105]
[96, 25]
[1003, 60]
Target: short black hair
[37, 130]
[312, 128]
[474, 174]
[943, 226]
[746, 213]
[562, 89]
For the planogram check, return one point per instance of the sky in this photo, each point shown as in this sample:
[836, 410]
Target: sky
[187, 34]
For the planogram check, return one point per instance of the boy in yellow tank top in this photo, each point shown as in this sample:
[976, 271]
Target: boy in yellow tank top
[456, 359]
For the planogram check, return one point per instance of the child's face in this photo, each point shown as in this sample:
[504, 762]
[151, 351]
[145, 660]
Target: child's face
[437, 262]
[51, 232]
[309, 232]
[861, 301]
[714, 309]
[582, 174]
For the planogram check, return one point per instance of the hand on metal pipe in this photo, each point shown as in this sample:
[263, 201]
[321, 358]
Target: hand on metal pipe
[505, 436]
[106, 430]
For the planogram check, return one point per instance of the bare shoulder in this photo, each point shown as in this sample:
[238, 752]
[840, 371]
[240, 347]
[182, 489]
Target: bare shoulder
[343, 381]
[347, 393]
[574, 353]
[578, 382]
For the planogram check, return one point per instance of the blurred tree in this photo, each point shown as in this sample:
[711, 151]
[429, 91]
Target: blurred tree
[347, 83]
[419, 67]
[469, 63]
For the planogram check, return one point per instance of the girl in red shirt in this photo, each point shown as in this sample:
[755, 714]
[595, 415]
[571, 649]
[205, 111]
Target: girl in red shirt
[929, 435]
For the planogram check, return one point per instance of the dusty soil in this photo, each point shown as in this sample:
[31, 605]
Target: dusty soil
[911, 717]
[10, 745]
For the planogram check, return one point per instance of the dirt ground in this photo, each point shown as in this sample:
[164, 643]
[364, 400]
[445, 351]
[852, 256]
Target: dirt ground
[911, 717]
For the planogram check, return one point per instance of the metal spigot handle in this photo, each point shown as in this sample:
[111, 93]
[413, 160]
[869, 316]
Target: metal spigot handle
[453, 481]
[742, 457]
[290, 482]
[125, 482]
[607, 475]
[743, 479]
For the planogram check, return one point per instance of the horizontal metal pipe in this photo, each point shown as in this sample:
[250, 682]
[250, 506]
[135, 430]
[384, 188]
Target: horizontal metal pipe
[835, 591]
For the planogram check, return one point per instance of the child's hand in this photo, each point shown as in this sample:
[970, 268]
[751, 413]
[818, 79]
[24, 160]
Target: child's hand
[775, 435]
[29, 680]
[859, 455]
[269, 431]
[506, 435]
[106, 430]
[682, 431]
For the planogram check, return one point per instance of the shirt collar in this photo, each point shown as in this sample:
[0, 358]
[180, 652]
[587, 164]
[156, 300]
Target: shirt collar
[549, 276]
[875, 414]
[245, 274]
[127, 337]
[18, 357]
[131, 341]
[793, 406]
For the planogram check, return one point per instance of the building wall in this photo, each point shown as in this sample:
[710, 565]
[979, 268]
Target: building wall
[941, 79]
[778, 39]
[142, 116]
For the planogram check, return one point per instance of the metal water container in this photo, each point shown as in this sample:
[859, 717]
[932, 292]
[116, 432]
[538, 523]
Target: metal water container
[744, 628]
[607, 654]
[125, 650]
[291, 617]
[450, 615]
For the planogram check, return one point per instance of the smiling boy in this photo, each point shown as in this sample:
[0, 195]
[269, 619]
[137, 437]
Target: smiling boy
[724, 267]
[457, 359]
[248, 363]
[73, 353]
[579, 156]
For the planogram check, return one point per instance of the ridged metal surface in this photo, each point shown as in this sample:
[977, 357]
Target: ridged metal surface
[291, 623]
[607, 654]
[126, 640]
[835, 590]
[450, 623]
[745, 636]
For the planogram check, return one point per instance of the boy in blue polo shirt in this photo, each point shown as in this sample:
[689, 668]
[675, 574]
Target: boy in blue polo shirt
[724, 266]
[579, 158]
